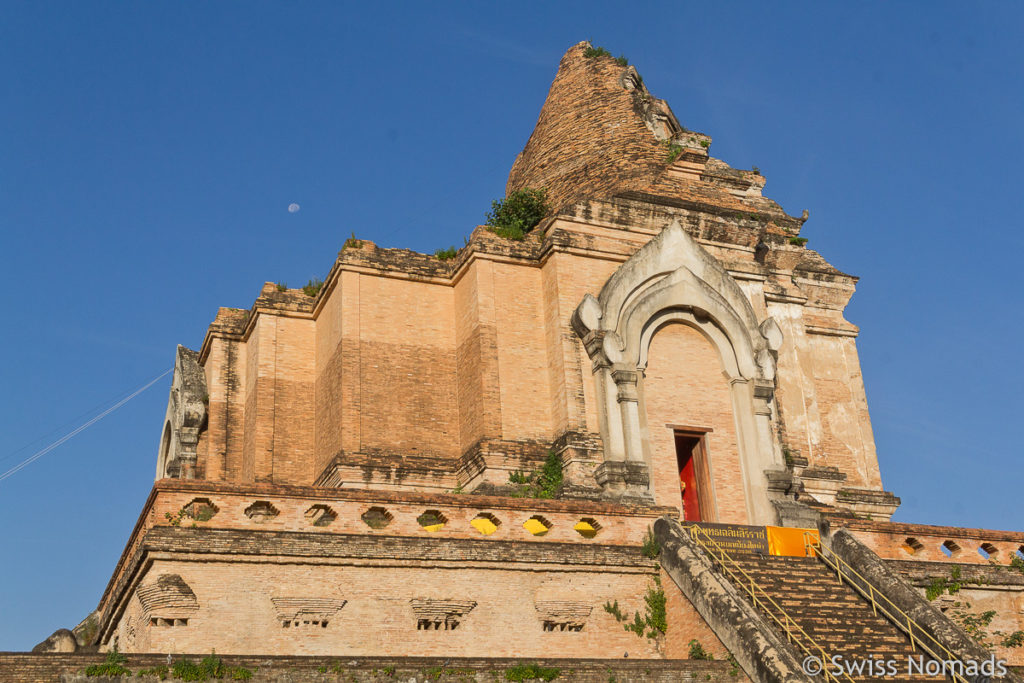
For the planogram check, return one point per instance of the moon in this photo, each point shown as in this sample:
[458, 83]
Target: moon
[293, 208]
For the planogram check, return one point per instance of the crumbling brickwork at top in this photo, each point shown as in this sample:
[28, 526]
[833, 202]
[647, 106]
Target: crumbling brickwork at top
[589, 139]
[602, 134]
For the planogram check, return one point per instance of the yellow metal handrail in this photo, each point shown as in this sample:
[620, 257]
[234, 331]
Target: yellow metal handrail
[879, 601]
[752, 588]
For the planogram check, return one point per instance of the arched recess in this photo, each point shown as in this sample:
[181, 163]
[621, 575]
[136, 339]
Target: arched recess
[672, 279]
[165, 451]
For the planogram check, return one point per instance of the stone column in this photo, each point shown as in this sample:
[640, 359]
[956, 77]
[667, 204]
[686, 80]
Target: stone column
[626, 396]
[629, 476]
[767, 459]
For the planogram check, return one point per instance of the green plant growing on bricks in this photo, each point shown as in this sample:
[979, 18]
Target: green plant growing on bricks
[113, 665]
[531, 672]
[674, 151]
[313, 287]
[653, 622]
[446, 254]
[697, 651]
[543, 483]
[352, 243]
[210, 667]
[518, 213]
[650, 548]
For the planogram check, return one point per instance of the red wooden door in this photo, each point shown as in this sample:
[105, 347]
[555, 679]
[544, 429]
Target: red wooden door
[688, 482]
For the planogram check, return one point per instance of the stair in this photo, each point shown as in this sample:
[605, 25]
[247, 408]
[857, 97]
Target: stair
[832, 613]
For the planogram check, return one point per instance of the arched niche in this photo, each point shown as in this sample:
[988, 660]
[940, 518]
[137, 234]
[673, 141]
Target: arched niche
[672, 279]
[165, 451]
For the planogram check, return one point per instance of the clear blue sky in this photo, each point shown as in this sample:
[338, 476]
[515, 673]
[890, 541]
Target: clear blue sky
[149, 152]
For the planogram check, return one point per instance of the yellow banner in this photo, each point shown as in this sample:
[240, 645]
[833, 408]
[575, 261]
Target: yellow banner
[784, 540]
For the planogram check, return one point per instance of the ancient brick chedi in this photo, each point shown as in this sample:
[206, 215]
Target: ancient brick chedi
[341, 471]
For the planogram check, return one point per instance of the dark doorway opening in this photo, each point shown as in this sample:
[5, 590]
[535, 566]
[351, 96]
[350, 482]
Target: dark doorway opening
[693, 476]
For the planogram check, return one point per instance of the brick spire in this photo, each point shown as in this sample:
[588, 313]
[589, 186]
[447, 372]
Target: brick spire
[597, 134]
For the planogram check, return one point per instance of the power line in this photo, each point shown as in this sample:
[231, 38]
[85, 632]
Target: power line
[62, 426]
[40, 453]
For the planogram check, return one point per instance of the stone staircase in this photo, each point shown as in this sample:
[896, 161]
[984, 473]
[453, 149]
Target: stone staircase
[832, 613]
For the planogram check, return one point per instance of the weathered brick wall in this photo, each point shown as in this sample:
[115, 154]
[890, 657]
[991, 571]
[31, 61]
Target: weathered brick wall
[822, 399]
[332, 351]
[67, 668]
[686, 625]
[568, 277]
[240, 576]
[524, 385]
[255, 435]
[407, 401]
[476, 355]
[505, 621]
[589, 140]
[292, 415]
[221, 443]
[981, 588]
[685, 385]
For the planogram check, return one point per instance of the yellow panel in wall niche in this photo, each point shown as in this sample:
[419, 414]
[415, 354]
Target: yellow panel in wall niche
[432, 520]
[537, 525]
[586, 528]
[485, 524]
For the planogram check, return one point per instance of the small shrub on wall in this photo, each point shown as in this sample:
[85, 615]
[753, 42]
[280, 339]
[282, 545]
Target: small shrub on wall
[518, 213]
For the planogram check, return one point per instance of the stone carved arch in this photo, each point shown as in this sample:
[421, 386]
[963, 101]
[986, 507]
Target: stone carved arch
[673, 279]
[695, 319]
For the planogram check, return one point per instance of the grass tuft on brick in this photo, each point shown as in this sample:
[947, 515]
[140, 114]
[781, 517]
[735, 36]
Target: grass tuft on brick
[531, 672]
[113, 665]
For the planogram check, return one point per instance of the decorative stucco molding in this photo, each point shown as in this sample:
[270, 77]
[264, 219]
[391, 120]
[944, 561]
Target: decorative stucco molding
[672, 279]
[186, 413]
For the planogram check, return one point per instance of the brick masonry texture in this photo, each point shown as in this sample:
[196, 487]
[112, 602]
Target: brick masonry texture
[67, 668]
